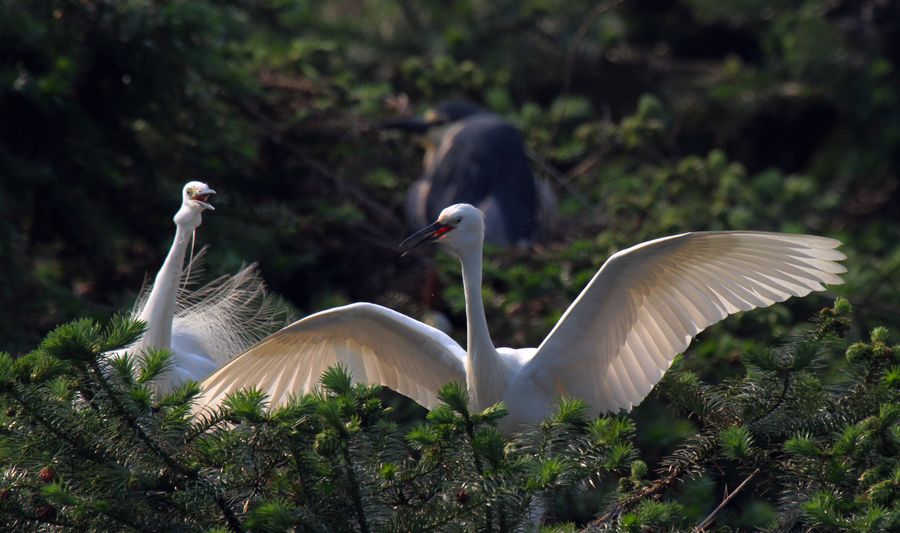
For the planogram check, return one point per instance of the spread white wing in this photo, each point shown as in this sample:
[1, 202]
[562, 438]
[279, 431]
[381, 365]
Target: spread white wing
[646, 303]
[378, 346]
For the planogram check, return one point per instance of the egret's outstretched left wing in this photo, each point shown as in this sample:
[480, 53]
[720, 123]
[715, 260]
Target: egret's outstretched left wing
[378, 346]
[646, 303]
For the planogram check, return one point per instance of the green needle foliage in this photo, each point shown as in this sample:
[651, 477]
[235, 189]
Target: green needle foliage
[87, 445]
[824, 451]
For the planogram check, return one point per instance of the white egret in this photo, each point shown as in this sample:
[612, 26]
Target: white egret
[610, 348]
[207, 327]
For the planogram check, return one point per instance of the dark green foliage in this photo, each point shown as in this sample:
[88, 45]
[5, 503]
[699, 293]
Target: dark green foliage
[826, 452]
[86, 444]
[92, 445]
[647, 118]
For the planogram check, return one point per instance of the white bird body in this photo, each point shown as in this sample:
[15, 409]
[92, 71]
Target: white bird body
[611, 346]
[206, 327]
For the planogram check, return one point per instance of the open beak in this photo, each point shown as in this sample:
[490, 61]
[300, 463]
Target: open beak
[411, 124]
[427, 234]
[202, 198]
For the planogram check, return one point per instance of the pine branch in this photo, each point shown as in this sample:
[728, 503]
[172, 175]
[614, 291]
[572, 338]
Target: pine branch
[707, 447]
[130, 419]
[205, 424]
[298, 466]
[46, 520]
[63, 436]
[470, 432]
[778, 402]
[354, 489]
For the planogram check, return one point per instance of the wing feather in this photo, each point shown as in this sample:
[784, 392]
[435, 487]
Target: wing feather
[646, 304]
[378, 346]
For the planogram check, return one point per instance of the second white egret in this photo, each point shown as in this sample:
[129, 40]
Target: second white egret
[206, 327]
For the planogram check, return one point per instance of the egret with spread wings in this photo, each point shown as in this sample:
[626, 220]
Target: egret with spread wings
[610, 348]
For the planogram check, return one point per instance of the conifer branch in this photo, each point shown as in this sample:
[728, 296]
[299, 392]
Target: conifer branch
[784, 390]
[675, 472]
[48, 425]
[130, 419]
[470, 432]
[207, 423]
[354, 489]
[298, 466]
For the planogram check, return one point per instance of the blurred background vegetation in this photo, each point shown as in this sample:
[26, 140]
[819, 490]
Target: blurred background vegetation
[649, 117]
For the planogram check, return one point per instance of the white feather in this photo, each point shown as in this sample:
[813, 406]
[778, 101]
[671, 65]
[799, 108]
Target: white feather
[612, 345]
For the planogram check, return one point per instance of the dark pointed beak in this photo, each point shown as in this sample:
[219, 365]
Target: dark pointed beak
[411, 124]
[426, 234]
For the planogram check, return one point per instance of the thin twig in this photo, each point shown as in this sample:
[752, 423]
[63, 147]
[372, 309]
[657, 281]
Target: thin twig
[675, 472]
[570, 60]
[778, 402]
[558, 177]
[585, 166]
[61, 434]
[386, 218]
[354, 487]
[709, 519]
[470, 431]
[654, 488]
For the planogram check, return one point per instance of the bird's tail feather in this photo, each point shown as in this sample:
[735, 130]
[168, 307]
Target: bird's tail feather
[230, 313]
[227, 315]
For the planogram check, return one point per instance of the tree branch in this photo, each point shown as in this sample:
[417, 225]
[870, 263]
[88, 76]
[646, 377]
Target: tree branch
[709, 519]
[131, 420]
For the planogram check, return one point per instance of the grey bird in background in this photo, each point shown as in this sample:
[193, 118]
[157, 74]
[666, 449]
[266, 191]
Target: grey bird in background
[474, 156]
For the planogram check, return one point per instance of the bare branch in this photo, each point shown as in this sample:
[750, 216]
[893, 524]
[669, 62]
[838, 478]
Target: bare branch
[709, 519]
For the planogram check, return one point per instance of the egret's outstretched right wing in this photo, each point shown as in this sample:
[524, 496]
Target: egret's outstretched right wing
[378, 346]
[646, 303]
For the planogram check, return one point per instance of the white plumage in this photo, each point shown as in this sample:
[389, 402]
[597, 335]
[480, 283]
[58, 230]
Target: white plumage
[204, 328]
[376, 344]
[610, 348]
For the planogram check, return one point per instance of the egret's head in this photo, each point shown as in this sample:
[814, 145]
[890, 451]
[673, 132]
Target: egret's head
[196, 196]
[458, 227]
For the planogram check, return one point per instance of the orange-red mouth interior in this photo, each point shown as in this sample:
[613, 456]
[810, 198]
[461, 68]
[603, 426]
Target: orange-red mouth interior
[442, 231]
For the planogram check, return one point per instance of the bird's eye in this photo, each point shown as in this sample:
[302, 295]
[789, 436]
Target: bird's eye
[458, 220]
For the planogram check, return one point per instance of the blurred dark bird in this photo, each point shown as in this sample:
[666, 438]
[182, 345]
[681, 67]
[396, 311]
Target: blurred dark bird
[476, 157]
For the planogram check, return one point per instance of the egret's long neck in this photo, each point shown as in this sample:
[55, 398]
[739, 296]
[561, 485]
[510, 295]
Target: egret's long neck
[159, 310]
[484, 371]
